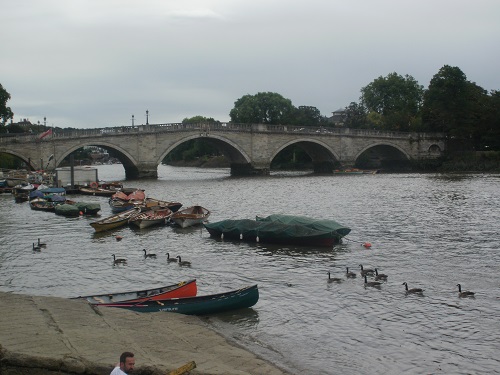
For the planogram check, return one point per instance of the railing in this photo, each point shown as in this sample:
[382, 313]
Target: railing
[206, 128]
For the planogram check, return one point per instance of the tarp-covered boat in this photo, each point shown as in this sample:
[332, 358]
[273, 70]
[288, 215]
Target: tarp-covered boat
[68, 210]
[276, 232]
[182, 289]
[200, 305]
[88, 208]
[318, 224]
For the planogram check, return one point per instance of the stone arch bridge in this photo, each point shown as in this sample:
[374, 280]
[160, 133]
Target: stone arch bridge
[249, 147]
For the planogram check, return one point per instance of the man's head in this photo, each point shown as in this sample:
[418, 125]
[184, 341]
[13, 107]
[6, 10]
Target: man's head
[127, 362]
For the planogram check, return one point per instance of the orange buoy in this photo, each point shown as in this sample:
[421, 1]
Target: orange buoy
[118, 238]
[94, 185]
[367, 245]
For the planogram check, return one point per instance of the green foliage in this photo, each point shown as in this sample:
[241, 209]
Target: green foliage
[456, 106]
[445, 100]
[355, 116]
[5, 112]
[262, 108]
[396, 98]
[198, 119]
[306, 116]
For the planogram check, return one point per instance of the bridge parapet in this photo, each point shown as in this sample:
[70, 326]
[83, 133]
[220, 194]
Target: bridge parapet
[217, 127]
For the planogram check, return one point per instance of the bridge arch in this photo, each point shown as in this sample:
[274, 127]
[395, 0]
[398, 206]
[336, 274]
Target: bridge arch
[234, 153]
[128, 161]
[28, 161]
[376, 154]
[324, 158]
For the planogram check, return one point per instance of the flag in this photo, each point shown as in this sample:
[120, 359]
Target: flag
[46, 133]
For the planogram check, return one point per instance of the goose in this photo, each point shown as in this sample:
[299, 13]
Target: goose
[349, 274]
[413, 290]
[146, 255]
[380, 276]
[36, 248]
[465, 293]
[333, 279]
[170, 259]
[375, 284]
[367, 271]
[41, 244]
[183, 262]
[119, 260]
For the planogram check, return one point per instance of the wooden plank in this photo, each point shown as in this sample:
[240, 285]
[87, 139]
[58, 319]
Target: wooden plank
[183, 369]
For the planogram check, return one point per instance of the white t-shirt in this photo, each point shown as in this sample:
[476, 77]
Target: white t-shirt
[117, 371]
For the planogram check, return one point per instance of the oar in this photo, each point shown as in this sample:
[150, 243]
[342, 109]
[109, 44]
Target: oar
[183, 369]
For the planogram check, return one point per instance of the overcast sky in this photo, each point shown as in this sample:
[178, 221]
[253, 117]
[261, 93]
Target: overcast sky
[95, 63]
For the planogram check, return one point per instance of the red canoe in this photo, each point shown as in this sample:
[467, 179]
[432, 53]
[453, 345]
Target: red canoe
[182, 289]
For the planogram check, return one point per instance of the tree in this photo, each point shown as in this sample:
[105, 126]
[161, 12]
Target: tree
[262, 108]
[490, 139]
[5, 112]
[455, 106]
[198, 119]
[306, 116]
[398, 99]
[355, 116]
[445, 99]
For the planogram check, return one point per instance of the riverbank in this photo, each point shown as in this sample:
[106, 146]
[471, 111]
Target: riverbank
[47, 335]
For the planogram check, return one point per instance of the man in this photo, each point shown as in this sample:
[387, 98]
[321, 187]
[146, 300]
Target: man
[127, 363]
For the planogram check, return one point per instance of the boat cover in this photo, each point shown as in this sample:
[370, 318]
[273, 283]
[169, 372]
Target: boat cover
[318, 224]
[67, 210]
[88, 206]
[270, 230]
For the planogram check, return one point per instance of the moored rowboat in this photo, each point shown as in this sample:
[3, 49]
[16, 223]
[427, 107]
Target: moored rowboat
[190, 216]
[182, 289]
[200, 305]
[114, 221]
[155, 216]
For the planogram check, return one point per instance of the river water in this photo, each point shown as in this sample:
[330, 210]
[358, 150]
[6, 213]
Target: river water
[432, 231]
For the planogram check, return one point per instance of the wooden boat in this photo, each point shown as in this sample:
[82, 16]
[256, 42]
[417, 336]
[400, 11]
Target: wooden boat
[87, 190]
[40, 204]
[21, 192]
[190, 216]
[200, 305]
[114, 221]
[182, 289]
[149, 218]
[120, 201]
[152, 202]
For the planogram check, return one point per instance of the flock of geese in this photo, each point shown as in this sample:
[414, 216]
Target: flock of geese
[147, 255]
[380, 277]
[39, 245]
[365, 272]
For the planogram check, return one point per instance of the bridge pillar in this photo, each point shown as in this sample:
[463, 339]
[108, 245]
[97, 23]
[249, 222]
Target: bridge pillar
[143, 170]
[248, 169]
